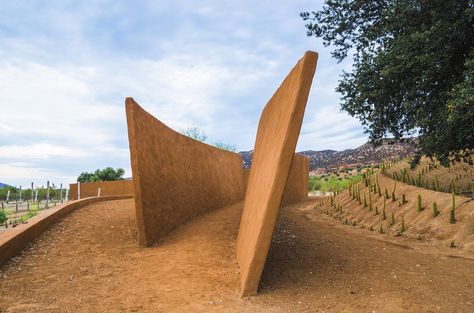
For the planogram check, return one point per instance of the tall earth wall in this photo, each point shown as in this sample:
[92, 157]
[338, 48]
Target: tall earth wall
[277, 135]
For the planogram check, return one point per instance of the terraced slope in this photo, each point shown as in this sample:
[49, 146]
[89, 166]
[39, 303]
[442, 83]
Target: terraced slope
[362, 206]
[458, 177]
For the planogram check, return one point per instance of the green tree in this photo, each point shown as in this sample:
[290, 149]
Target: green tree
[413, 69]
[105, 174]
[195, 133]
[225, 146]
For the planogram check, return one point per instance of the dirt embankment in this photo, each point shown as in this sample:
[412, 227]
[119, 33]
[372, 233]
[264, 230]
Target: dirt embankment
[90, 262]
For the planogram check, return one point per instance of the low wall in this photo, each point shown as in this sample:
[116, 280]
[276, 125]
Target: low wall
[296, 188]
[107, 188]
[14, 240]
[175, 177]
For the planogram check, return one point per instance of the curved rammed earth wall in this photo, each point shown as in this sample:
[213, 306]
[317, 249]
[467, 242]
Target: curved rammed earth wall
[175, 177]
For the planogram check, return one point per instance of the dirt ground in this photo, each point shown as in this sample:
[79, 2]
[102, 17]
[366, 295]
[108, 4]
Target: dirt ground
[90, 262]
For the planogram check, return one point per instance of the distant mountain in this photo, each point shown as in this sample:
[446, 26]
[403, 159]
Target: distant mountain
[329, 160]
[4, 185]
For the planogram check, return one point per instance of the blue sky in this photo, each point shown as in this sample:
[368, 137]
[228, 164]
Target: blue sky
[67, 66]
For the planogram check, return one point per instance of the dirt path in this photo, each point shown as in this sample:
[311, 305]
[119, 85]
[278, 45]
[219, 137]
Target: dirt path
[90, 262]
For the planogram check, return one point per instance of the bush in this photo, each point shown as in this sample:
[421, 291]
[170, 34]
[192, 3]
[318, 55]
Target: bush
[3, 216]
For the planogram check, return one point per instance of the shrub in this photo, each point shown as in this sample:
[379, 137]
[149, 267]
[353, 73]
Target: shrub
[3, 216]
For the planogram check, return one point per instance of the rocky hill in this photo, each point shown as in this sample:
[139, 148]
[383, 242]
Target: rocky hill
[367, 154]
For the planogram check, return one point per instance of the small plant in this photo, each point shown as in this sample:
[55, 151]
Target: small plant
[452, 245]
[420, 208]
[3, 216]
[452, 216]
[435, 209]
[371, 228]
[403, 225]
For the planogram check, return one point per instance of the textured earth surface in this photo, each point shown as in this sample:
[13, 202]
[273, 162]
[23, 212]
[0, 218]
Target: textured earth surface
[90, 262]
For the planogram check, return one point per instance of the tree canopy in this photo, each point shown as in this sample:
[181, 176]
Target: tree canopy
[413, 69]
[106, 174]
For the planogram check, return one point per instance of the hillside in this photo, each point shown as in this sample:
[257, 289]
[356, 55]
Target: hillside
[458, 177]
[329, 160]
[376, 209]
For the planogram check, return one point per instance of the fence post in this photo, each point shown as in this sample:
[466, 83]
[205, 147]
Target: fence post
[67, 194]
[47, 193]
[8, 195]
[20, 193]
[78, 190]
[61, 192]
[98, 192]
[32, 195]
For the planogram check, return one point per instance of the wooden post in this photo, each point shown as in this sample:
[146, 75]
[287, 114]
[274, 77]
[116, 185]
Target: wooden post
[78, 190]
[47, 193]
[32, 192]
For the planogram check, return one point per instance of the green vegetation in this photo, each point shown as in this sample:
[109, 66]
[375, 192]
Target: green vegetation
[199, 135]
[3, 216]
[332, 182]
[452, 215]
[105, 174]
[413, 69]
[435, 209]
[420, 208]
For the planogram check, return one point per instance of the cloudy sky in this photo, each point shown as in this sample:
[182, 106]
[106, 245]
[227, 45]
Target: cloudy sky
[67, 66]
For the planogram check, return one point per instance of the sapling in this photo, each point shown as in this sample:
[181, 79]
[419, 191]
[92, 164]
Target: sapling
[393, 197]
[370, 202]
[376, 210]
[420, 208]
[435, 209]
[386, 193]
[365, 200]
[381, 228]
[403, 225]
[452, 215]
[404, 200]
[384, 216]
[392, 222]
